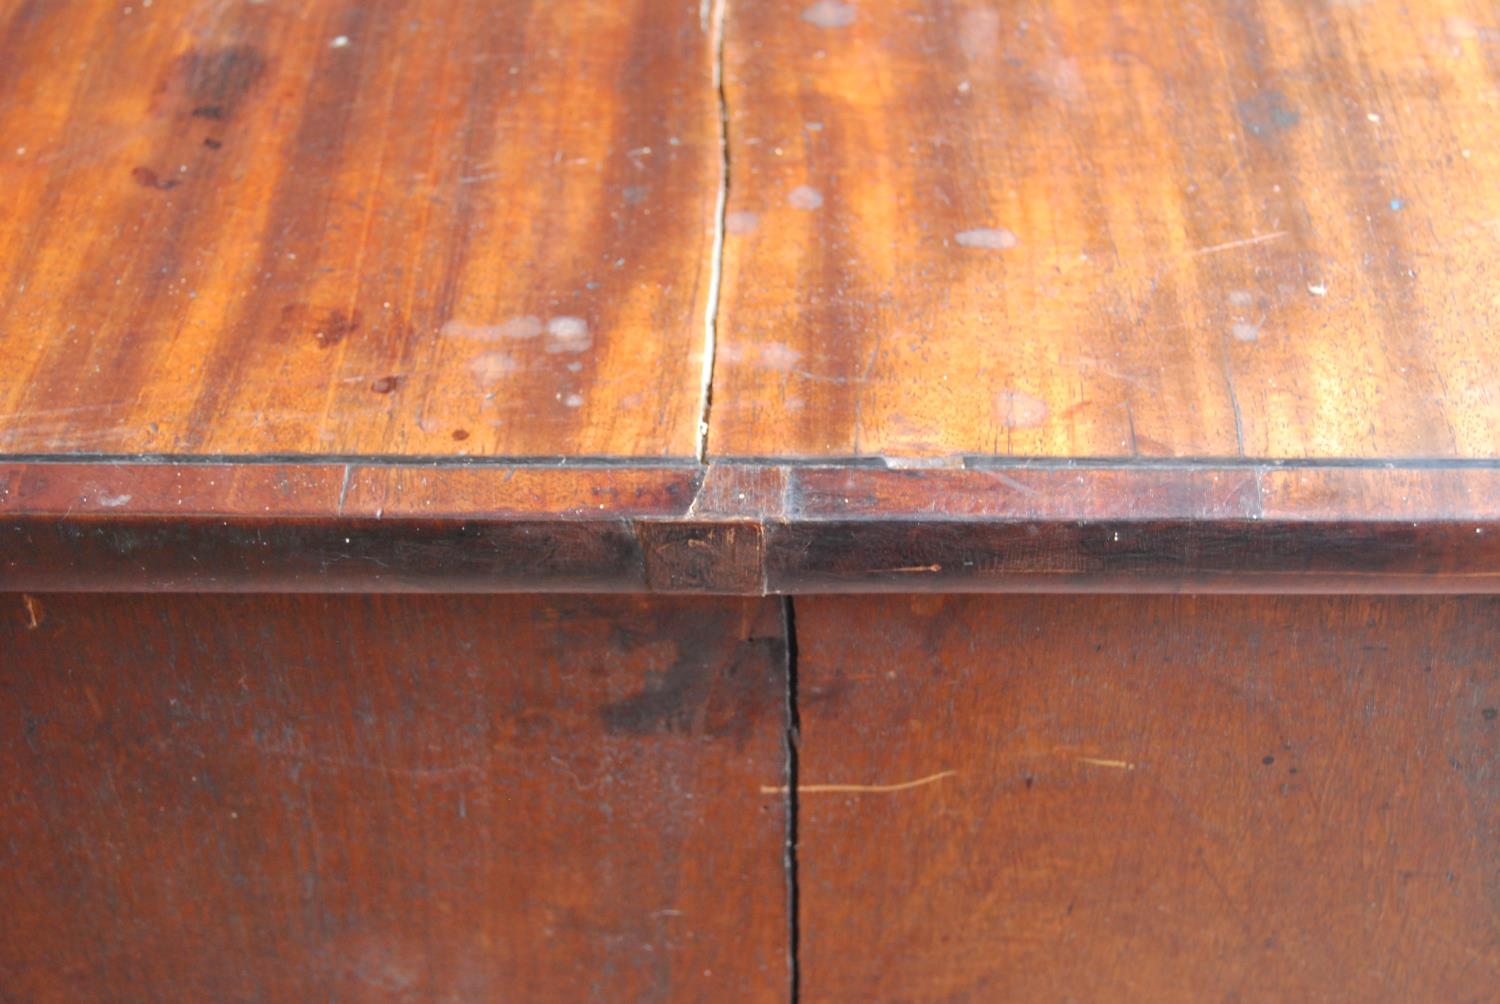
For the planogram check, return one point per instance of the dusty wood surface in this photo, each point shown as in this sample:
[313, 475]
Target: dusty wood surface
[1085, 228]
[391, 799]
[1148, 799]
[1162, 242]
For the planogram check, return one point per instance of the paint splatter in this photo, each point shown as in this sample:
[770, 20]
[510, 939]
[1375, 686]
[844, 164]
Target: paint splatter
[778, 356]
[492, 367]
[805, 197]
[568, 334]
[1016, 409]
[517, 328]
[988, 238]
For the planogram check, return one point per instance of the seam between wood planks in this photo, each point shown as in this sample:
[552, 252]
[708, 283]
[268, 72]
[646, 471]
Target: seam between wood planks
[716, 18]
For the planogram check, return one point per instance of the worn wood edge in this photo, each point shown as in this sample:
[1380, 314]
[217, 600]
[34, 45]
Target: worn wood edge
[747, 528]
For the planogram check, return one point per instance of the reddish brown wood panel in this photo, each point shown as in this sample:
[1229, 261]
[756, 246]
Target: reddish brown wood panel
[400, 799]
[1139, 528]
[1110, 228]
[1149, 799]
[400, 227]
[746, 529]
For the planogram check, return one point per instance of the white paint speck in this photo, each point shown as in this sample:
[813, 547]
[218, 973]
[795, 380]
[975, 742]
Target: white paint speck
[517, 328]
[113, 501]
[492, 367]
[1245, 332]
[573, 400]
[1240, 298]
[1317, 288]
[805, 197]
[568, 334]
[339, 42]
[1373, 117]
[779, 356]
[829, 14]
[987, 238]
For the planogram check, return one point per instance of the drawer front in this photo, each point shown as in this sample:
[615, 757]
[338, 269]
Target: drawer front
[1148, 799]
[298, 798]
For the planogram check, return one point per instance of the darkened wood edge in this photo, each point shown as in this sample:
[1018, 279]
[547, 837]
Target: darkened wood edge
[748, 528]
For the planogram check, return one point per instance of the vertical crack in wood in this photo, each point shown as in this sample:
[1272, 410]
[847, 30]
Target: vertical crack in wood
[716, 17]
[793, 806]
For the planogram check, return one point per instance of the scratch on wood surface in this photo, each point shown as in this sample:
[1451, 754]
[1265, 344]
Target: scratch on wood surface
[1099, 762]
[33, 612]
[1008, 481]
[440, 772]
[859, 789]
[344, 487]
[1246, 242]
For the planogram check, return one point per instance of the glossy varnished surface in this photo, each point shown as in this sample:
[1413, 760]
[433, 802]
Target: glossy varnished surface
[400, 799]
[1089, 228]
[354, 228]
[747, 529]
[1148, 799]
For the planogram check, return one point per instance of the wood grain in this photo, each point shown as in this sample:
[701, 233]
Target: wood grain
[398, 227]
[1079, 228]
[1148, 799]
[746, 529]
[1243, 528]
[400, 799]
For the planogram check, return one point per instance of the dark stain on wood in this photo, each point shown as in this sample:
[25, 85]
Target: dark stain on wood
[217, 81]
[723, 677]
[147, 178]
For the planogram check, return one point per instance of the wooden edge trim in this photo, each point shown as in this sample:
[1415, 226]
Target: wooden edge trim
[747, 528]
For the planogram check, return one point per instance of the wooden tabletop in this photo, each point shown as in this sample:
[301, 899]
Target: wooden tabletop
[740, 282]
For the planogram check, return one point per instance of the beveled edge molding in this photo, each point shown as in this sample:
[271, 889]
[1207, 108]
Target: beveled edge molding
[748, 527]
